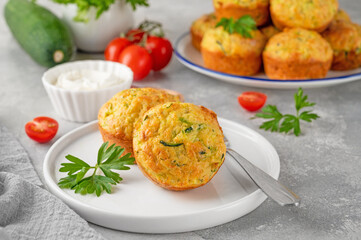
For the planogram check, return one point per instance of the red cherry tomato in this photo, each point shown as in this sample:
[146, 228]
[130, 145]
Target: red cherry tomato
[135, 35]
[115, 47]
[160, 50]
[42, 129]
[252, 101]
[138, 59]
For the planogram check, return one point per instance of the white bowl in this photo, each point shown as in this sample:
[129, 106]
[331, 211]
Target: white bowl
[83, 105]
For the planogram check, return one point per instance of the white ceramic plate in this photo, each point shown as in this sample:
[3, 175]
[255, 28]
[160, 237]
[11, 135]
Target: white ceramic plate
[138, 205]
[192, 59]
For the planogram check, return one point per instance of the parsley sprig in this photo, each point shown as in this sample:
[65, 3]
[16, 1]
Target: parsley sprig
[286, 122]
[100, 5]
[108, 158]
[244, 25]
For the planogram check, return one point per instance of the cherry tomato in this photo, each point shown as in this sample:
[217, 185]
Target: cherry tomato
[252, 101]
[115, 47]
[42, 129]
[135, 35]
[160, 50]
[138, 59]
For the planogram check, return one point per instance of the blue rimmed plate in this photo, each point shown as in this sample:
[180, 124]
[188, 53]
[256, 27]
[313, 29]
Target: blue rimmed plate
[191, 58]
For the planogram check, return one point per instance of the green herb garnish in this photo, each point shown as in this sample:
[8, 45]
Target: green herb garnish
[100, 5]
[170, 144]
[108, 159]
[188, 130]
[244, 25]
[286, 122]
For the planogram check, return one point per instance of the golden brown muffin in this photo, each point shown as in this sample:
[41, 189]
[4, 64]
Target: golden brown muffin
[313, 15]
[297, 54]
[179, 146]
[232, 53]
[257, 9]
[117, 116]
[342, 15]
[269, 31]
[345, 40]
[200, 26]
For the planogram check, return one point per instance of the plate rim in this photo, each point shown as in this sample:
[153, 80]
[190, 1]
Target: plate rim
[84, 208]
[239, 77]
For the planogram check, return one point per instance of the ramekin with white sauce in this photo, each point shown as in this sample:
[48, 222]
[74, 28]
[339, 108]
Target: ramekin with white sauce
[78, 89]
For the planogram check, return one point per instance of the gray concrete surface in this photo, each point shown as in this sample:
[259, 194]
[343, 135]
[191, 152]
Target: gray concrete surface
[322, 165]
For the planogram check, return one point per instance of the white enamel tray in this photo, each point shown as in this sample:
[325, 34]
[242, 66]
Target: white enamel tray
[191, 58]
[138, 205]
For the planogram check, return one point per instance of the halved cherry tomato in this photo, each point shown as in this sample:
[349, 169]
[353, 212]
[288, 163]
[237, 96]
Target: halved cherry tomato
[115, 47]
[160, 50]
[42, 129]
[135, 35]
[252, 101]
[138, 59]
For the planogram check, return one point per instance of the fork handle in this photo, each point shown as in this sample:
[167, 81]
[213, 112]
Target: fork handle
[270, 186]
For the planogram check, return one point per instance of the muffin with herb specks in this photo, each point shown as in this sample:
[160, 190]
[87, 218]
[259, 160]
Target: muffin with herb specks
[179, 146]
[297, 53]
[313, 15]
[118, 116]
[235, 47]
[257, 9]
[345, 40]
[200, 26]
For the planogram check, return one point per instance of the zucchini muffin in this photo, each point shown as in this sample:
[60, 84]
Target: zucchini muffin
[117, 116]
[269, 31]
[345, 40]
[309, 14]
[297, 54]
[200, 26]
[233, 53]
[342, 15]
[257, 9]
[179, 146]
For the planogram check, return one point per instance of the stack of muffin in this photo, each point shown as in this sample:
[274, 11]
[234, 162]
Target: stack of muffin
[295, 39]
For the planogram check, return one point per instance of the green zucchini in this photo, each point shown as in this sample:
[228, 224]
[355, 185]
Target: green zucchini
[39, 32]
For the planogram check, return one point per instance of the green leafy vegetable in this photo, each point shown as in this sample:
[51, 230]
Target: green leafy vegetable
[170, 144]
[286, 122]
[100, 5]
[244, 25]
[109, 158]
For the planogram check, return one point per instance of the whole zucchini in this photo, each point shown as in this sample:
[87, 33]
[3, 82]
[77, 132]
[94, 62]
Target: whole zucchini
[39, 32]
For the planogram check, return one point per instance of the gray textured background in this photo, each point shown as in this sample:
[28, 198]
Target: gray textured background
[322, 166]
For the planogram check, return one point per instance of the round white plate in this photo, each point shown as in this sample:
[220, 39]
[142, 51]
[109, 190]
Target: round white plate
[138, 205]
[192, 59]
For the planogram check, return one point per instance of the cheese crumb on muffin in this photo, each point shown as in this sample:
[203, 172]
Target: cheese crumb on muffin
[232, 53]
[345, 40]
[257, 9]
[297, 54]
[179, 146]
[200, 26]
[118, 115]
[309, 14]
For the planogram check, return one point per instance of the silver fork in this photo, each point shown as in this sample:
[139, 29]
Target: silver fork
[270, 186]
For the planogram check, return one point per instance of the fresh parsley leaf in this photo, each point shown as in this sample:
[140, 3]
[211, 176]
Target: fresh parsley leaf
[100, 5]
[286, 122]
[109, 158]
[244, 25]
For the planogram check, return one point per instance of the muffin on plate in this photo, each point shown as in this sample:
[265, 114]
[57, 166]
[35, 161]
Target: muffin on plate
[313, 15]
[342, 15]
[200, 26]
[345, 40]
[117, 116]
[233, 53]
[257, 9]
[269, 31]
[179, 146]
[297, 53]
